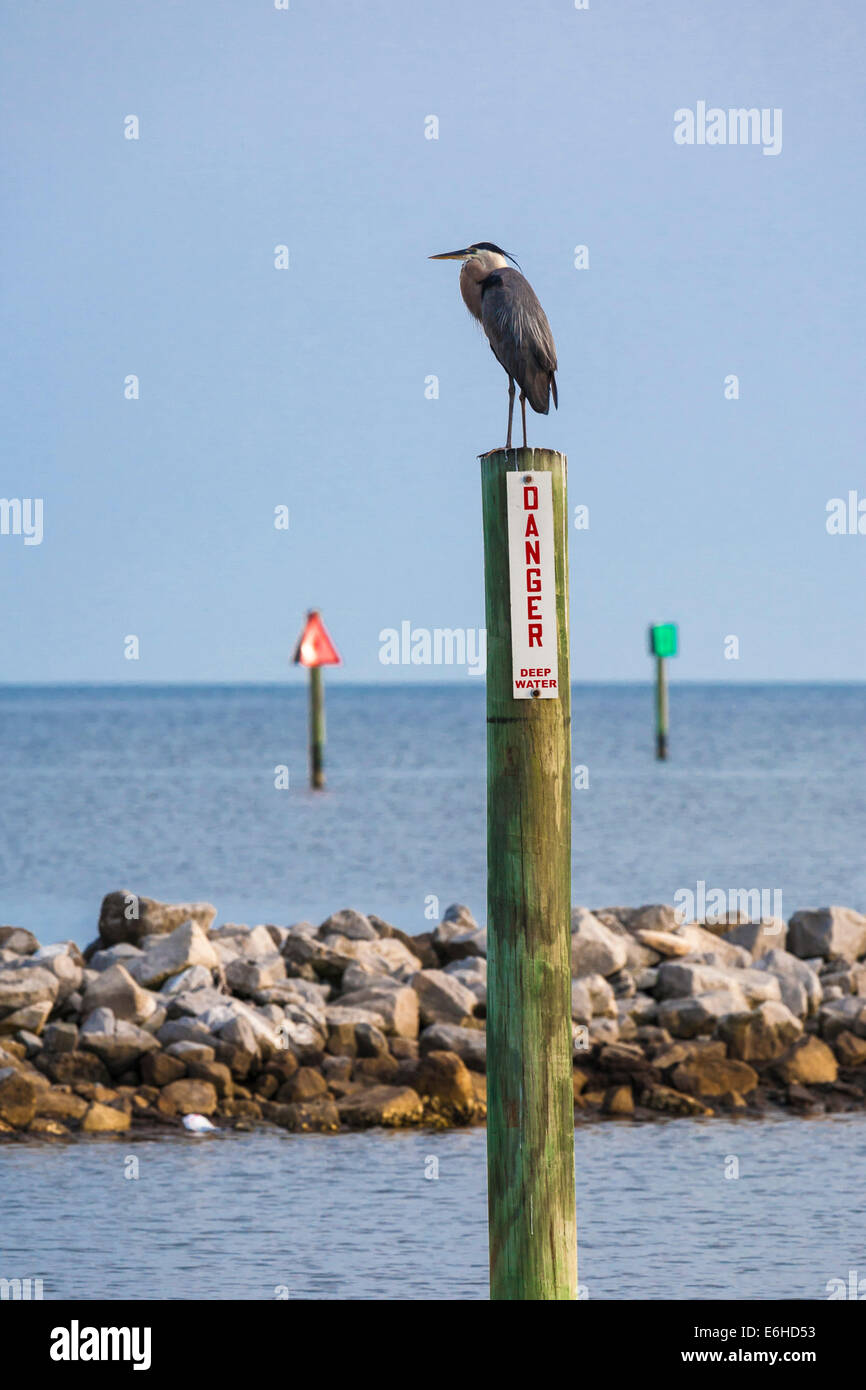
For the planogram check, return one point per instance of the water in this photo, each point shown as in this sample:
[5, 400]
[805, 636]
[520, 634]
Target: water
[170, 793]
[353, 1216]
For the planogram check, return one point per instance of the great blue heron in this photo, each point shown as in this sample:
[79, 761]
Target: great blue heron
[507, 307]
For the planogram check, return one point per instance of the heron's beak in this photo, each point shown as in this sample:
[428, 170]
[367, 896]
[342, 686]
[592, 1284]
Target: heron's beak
[450, 256]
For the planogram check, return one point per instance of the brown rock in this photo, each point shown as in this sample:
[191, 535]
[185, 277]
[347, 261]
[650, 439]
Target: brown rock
[241, 1107]
[390, 1106]
[188, 1097]
[375, 1070]
[479, 1088]
[50, 1129]
[313, 1116]
[55, 1103]
[340, 1089]
[446, 1082]
[283, 1065]
[275, 1114]
[618, 1100]
[17, 1098]
[159, 1069]
[671, 1102]
[341, 1040]
[802, 1099]
[239, 1060]
[69, 1068]
[373, 1043]
[850, 1049]
[306, 1084]
[579, 1080]
[266, 1085]
[337, 1069]
[761, 1034]
[407, 1072]
[810, 1062]
[215, 1072]
[714, 1076]
[104, 1119]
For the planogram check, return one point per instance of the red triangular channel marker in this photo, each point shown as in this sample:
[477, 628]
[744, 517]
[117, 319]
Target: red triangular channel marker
[315, 647]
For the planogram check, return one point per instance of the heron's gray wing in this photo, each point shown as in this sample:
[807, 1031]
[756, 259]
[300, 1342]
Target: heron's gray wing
[519, 334]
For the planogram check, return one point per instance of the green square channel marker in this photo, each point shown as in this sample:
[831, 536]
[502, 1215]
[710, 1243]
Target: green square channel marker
[663, 639]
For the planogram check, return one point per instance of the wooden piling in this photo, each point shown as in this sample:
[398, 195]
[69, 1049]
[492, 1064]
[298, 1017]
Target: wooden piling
[530, 1115]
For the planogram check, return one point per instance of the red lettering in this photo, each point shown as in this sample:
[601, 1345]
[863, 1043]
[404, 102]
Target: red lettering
[535, 635]
[533, 553]
[533, 587]
[531, 528]
[527, 492]
[532, 608]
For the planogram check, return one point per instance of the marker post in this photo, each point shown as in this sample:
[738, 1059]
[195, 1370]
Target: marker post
[662, 644]
[315, 650]
[530, 1098]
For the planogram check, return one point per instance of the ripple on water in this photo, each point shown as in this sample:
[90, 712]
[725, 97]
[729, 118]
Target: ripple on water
[353, 1216]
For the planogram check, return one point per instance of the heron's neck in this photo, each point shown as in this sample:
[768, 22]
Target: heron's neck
[484, 261]
[476, 269]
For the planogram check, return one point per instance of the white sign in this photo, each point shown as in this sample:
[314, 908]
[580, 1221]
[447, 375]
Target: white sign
[534, 638]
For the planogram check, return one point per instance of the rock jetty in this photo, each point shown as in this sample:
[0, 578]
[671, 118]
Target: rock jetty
[353, 1023]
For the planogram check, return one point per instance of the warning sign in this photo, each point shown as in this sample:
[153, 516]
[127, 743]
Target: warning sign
[315, 647]
[534, 638]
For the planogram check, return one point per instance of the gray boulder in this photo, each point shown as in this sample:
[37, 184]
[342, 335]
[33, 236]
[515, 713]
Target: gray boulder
[117, 1043]
[126, 917]
[120, 954]
[830, 932]
[395, 1003]
[18, 940]
[761, 1034]
[22, 985]
[171, 953]
[470, 1044]
[247, 977]
[441, 997]
[800, 986]
[194, 977]
[595, 948]
[349, 923]
[115, 989]
[757, 938]
[472, 973]
[687, 1018]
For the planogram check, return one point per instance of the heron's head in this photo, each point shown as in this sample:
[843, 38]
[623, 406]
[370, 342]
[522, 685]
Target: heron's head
[484, 254]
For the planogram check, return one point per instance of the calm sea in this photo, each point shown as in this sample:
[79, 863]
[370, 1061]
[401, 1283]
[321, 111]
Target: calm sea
[353, 1216]
[170, 792]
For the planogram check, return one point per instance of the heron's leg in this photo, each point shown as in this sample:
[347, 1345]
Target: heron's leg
[510, 409]
[523, 413]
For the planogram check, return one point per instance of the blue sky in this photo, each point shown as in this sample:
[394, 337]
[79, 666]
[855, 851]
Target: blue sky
[305, 387]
